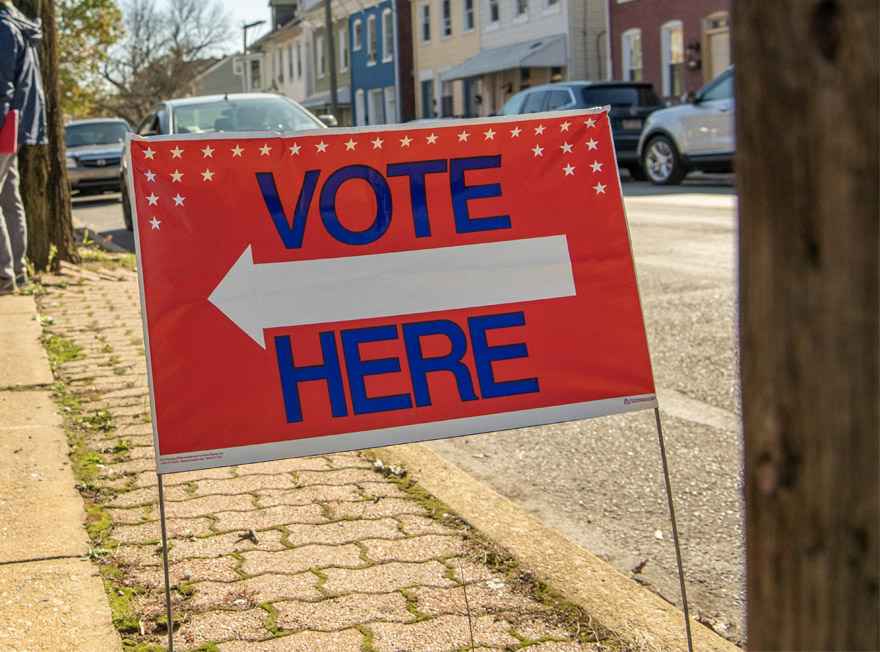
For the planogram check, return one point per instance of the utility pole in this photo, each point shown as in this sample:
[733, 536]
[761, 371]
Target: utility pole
[808, 183]
[331, 59]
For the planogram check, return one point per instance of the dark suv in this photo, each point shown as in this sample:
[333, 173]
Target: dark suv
[631, 103]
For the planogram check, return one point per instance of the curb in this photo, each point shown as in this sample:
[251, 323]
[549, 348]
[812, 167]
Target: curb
[632, 612]
[82, 230]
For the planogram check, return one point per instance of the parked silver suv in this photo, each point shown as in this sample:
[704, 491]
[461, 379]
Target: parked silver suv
[699, 135]
[94, 153]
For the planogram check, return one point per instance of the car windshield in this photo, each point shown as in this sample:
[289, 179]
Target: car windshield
[95, 133]
[620, 96]
[259, 114]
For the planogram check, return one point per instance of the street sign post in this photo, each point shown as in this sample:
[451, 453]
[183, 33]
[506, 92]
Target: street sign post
[345, 289]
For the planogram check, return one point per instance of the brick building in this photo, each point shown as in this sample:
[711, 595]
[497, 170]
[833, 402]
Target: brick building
[678, 45]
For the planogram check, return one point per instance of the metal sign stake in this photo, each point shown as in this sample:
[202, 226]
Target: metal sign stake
[168, 613]
[684, 599]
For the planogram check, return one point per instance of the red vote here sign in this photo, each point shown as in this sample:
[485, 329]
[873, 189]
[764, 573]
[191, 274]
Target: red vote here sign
[344, 289]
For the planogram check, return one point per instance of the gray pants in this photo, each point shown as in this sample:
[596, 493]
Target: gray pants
[13, 227]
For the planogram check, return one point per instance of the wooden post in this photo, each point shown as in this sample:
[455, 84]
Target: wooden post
[44, 184]
[807, 85]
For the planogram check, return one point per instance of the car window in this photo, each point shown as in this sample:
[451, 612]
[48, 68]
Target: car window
[260, 114]
[720, 89]
[514, 104]
[557, 99]
[534, 102]
[620, 96]
[95, 133]
[149, 126]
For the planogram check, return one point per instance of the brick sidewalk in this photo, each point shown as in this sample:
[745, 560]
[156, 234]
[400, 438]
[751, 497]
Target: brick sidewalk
[315, 554]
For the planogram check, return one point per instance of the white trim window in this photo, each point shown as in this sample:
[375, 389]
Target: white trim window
[376, 98]
[387, 36]
[672, 58]
[372, 43]
[521, 10]
[631, 54]
[360, 108]
[291, 69]
[469, 16]
[343, 49]
[494, 14]
[446, 7]
[299, 60]
[390, 105]
[425, 22]
[357, 34]
[320, 57]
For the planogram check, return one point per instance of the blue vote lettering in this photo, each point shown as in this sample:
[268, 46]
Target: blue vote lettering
[356, 369]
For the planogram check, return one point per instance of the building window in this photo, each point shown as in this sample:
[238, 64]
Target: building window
[299, 61]
[672, 56]
[291, 70]
[428, 98]
[425, 22]
[522, 9]
[372, 43]
[343, 49]
[357, 34]
[256, 76]
[387, 36]
[469, 18]
[390, 104]
[279, 66]
[320, 57]
[447, 108]
[632, 55]
[377, 104]
[494, 11]
[447, 17]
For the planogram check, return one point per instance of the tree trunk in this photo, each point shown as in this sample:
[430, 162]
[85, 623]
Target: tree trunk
[808, 81]
[44, 185]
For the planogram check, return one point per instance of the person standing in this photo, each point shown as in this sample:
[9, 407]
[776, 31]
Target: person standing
[21, 90]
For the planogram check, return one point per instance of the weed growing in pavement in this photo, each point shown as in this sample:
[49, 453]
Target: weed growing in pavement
[61, 350]
[94, 259]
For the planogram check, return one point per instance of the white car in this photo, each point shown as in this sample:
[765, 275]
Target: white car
[699, 135]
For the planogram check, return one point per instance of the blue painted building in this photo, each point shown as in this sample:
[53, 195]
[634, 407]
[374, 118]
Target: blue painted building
[374, 42]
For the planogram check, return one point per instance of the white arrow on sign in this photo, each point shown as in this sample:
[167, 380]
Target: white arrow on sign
[274, 295]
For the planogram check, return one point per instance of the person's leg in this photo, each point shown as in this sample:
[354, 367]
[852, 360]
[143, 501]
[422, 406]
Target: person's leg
[7, 267]
[16, 224]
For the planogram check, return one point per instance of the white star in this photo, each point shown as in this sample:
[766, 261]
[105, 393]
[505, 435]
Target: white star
[350, 144]
[177, 152]
[592, 144]
[566, 148]
[432, 139]
[569, 170]
[208, 152]
[377, 144]
[176, 176]
[295, 149]
[463, 136]
[237, 151]
[155, 222]
[265, 150]
[149, 153]
[489, 134]
[151, 176]
[539, 130]
[208, 175]
[153, 199]
[179, 199]
[405, 141]
[565, 125]
[597, 167]
[600, 188]
[538, 150]
[321, 147]
[515, 132]
[590, 123]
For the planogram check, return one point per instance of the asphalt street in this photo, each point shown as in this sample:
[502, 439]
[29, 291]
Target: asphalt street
[600, 481]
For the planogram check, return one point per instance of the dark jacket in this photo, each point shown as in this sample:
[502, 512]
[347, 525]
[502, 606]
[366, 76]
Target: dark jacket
[20, 85]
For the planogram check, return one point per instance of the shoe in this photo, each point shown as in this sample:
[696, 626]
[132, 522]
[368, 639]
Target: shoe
[7, 287]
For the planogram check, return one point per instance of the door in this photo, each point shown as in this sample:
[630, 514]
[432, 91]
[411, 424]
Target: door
[360, 108]
[428, 98]
[719, 52]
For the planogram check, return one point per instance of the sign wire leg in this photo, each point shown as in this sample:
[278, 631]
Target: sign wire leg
[168, 613]
[684, 599]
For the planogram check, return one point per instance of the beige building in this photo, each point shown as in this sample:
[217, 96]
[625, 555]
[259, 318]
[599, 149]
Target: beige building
[445, 34]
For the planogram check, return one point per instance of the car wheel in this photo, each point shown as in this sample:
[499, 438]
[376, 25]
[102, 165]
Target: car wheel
[126, 210]
[637, 173]
[662, 162]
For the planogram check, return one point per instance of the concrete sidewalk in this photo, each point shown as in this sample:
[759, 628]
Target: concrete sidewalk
[316, 554]
[51, 597]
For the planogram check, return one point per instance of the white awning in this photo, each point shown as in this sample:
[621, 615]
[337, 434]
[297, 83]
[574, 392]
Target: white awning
[549, 52]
